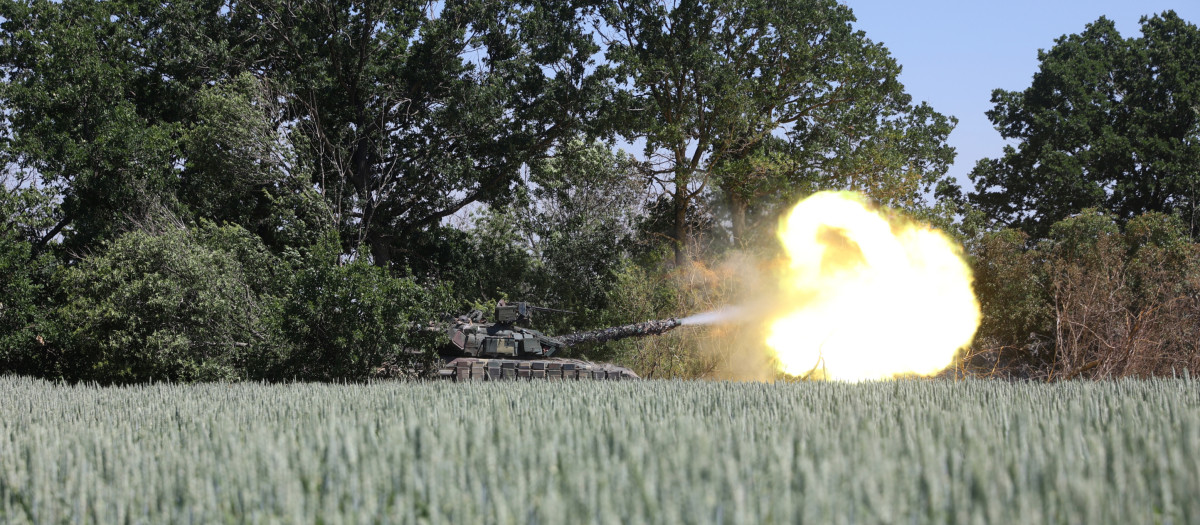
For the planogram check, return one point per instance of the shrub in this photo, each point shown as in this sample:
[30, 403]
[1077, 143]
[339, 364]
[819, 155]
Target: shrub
[726, 351]
[1010, 287]
[24, 299]
[1091, 300]
[351, 320]
[20, 314]
[169, 303]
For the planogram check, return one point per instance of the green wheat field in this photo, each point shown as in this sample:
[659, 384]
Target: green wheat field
[603, 452]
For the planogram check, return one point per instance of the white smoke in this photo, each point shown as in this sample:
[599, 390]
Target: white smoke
[721, 315]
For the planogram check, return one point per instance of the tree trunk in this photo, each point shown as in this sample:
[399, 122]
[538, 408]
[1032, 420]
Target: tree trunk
[681, 227]
[381, 250]
[737, 212]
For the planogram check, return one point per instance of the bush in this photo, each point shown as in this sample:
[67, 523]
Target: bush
[351, 320]
[560, 244]
[169, 303]
[1011, 290]
[1089, 301]
[20, 313]
[24, 301]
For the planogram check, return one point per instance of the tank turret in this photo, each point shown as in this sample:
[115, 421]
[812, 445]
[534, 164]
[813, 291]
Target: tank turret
[473, 336]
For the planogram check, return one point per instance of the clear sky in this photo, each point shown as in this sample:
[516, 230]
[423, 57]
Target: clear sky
[955, 52]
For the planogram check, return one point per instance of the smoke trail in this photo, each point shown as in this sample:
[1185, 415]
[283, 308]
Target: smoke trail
[720, 315]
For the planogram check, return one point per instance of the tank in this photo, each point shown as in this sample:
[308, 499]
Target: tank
[506, 348]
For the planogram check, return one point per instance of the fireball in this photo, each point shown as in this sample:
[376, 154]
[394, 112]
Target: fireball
[866, 296]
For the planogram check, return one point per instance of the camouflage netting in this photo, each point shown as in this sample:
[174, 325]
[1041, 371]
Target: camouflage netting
[620, 332]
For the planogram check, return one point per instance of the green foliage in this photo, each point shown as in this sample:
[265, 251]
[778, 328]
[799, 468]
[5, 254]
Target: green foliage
[624, 452]
[76, 94]
[1012, 300]
[640, 295]
[564, 240]
[587, 199]
[1108, 122]
[1077, 238]
[26, 211]
[1092, 300]
[710, 83]
[501, 250]
[351, 320]
[20, 308]
[241, 167]
[24, 274]
[300, 143]
[1159, 245]
[475, 266]
[413, 112]
[717, 351]
[169, 303]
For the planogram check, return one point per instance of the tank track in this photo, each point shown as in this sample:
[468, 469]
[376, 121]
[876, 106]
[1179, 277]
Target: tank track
[478, 369]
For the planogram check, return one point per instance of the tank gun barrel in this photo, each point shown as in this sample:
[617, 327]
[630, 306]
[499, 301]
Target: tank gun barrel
[544, 309]
[655, 327]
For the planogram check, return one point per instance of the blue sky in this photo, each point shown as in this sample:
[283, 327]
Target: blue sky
[955, 52]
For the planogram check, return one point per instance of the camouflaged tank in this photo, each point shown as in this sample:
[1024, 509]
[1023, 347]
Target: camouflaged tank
[489, 351]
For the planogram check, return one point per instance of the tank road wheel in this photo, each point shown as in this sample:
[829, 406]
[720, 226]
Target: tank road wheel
[477, 369]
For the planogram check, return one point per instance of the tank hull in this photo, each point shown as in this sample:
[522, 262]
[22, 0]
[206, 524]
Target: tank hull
[482, 369]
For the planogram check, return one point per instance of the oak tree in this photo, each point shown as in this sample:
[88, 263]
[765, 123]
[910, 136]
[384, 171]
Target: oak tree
[1108, 122]
[706, 83]
[414, 110]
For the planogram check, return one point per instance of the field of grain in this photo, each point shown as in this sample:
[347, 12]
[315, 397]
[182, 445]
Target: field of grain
[611, 452]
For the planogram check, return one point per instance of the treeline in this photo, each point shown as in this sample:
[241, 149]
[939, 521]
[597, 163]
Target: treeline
[1095, 272]
[1094, 299]
[288, 190]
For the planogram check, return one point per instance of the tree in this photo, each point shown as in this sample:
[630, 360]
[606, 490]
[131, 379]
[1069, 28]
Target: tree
[242, 167]
[587, 199]
[566, 238]
[96, 97]
[707, 82]
[415, 110]
[71, 96]
[1107, 122]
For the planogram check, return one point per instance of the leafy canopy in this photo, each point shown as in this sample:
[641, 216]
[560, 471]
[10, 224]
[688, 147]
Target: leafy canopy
[708, 84]
[1108, 122]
